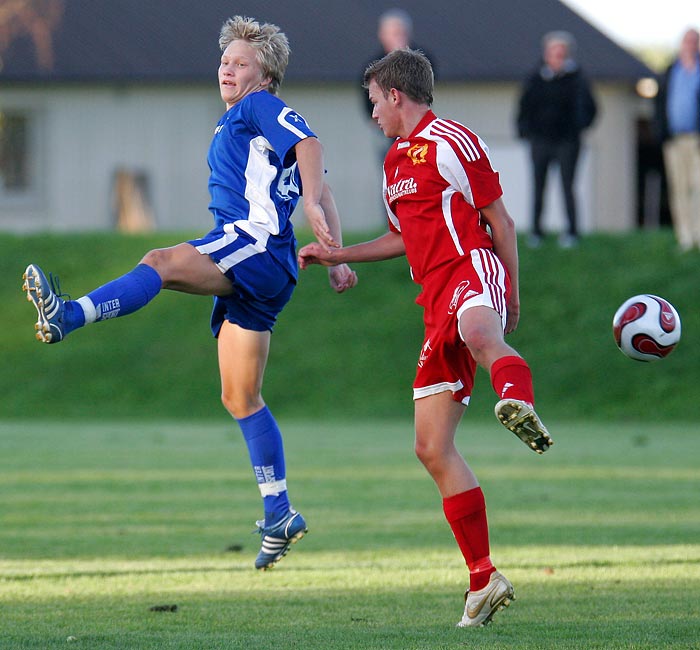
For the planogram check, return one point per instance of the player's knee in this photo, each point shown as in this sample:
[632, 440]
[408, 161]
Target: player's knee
[157, 258]
[477, 339]
[429, 453]
[241, 405]
[481, 342]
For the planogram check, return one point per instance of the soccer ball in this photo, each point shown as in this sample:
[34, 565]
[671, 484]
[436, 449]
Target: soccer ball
[646, 327]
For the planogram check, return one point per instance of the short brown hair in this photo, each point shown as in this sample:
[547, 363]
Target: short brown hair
[406, 70]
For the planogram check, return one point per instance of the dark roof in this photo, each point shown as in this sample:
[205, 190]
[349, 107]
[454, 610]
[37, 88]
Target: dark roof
[331, 40]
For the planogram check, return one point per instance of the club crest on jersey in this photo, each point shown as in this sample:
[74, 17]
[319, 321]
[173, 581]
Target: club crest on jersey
[417, 153]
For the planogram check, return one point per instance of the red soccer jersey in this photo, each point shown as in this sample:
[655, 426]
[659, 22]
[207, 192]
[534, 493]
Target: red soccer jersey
[435, 182]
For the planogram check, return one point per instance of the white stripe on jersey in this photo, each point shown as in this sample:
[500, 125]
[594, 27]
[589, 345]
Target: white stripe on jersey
[390, 213]
[259, 175]
[458, 137]
[282, 119]
[447, 216]
[452, 138]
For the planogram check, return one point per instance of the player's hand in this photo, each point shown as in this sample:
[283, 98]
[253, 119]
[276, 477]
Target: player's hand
[317, 220]
[315, 253]
[512, 317]
[342, 278]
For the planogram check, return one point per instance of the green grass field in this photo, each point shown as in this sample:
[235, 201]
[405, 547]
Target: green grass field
[124, 486]
[352, 355]
[102, 521]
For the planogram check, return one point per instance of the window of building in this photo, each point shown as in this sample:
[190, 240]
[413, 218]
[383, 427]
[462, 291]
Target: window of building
[18, 156]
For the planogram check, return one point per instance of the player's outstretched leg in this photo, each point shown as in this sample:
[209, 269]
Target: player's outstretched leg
[59, 317]
[480, 606]
[50, 326]
[520, 418]
[278, 537]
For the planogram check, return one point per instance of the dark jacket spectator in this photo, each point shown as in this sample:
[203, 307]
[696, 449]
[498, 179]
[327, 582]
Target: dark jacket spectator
[556, 105]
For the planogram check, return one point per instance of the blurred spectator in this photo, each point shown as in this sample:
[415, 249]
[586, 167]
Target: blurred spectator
[678, 127]
[555, 106]
[394, 31]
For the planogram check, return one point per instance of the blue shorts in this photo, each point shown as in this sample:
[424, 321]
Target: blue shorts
[261, 285]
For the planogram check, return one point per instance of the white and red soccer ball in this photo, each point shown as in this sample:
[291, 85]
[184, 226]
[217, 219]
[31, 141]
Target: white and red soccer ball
[646, 327]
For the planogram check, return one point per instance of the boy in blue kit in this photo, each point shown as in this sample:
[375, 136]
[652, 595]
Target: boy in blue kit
[263, 153]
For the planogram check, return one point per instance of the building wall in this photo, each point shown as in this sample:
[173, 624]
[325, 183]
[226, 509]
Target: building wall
[86, 134]
[605, 182]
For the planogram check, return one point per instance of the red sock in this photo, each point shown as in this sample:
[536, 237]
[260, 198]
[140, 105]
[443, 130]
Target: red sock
[466, 514]
[511, 378]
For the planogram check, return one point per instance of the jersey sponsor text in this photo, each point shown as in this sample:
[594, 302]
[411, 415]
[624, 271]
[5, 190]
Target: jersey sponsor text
[401, 188]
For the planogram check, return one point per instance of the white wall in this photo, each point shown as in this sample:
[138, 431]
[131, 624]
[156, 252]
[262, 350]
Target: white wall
[605, 177]
[87, 133]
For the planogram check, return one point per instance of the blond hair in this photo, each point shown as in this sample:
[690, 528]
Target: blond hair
[270, 43]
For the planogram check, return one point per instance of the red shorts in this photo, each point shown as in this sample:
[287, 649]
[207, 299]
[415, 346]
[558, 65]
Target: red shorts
[445, 363]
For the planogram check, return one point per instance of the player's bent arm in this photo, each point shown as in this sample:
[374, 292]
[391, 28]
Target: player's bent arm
[385, 247]
[309, 153]
[503, 234]
[330, 209]
[388, 246]
[505, 245]
[341, 277]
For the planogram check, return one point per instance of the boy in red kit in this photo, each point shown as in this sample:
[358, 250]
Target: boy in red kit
[447, 216]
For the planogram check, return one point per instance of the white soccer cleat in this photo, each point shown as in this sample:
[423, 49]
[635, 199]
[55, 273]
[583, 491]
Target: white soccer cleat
[480, 606]
[520, 418]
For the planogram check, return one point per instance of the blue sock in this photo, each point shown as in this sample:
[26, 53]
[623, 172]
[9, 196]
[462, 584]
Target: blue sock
[119, 297]
[264, 440]
[73, 316]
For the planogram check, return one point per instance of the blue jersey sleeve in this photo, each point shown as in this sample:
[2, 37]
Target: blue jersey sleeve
[282, 126]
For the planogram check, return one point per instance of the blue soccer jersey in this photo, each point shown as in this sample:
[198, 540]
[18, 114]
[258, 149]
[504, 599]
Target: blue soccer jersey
[254, 182]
